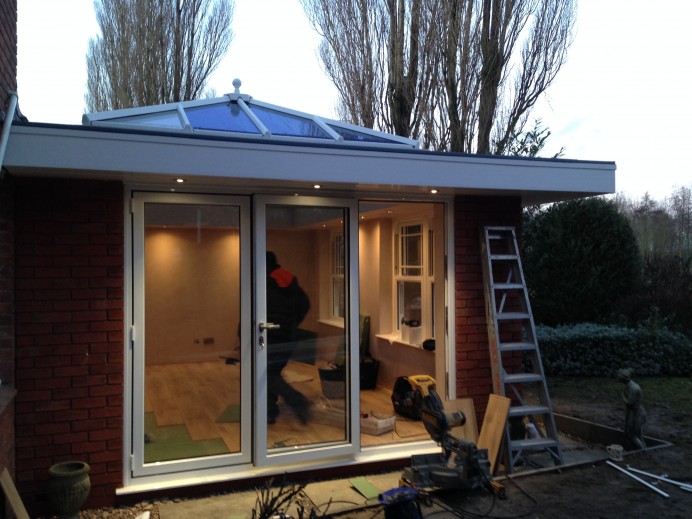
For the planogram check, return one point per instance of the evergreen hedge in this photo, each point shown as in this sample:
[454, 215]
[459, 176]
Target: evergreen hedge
[600, 350]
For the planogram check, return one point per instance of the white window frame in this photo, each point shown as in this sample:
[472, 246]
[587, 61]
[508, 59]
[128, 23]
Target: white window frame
[337, 270]
[425, 279]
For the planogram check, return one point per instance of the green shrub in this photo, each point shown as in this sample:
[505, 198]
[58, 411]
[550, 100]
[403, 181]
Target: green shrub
[600, 350]
[581, 261]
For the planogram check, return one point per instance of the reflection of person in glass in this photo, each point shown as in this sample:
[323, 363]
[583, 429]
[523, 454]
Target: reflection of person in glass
[287, 305]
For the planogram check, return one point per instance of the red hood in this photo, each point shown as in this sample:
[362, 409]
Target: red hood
[282, 277]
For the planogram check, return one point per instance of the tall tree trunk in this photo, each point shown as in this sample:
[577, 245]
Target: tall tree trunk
[491, 72]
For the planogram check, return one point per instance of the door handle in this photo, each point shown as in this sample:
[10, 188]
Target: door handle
[268, 326]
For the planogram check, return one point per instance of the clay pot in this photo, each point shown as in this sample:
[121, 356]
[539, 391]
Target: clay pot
[68, 488]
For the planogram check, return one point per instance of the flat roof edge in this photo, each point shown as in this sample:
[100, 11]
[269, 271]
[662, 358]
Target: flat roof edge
[18, 125]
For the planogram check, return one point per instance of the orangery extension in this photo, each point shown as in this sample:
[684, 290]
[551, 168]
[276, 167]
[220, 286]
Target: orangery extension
[145, 242]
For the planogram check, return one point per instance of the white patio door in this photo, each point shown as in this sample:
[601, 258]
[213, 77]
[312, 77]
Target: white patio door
[306, 261]
[191, 353]
[223, 374]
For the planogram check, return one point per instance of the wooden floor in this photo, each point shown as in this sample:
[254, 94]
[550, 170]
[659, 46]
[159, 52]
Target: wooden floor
[195, 394]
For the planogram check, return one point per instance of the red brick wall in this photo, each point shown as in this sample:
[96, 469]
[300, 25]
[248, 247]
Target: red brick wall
[471, 214]
[7, 436]
[69, 333]
[6, 282]
[8, 49]
[8, 82]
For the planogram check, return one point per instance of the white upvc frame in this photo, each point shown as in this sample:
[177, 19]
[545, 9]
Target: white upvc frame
[136, 352]
[351, 445]
[424, 278]
[331, 456]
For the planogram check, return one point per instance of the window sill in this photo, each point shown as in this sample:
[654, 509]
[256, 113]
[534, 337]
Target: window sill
[335, 323]
[395, 338]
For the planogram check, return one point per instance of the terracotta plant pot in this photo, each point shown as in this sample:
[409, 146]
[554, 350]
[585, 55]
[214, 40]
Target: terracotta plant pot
[68, 487]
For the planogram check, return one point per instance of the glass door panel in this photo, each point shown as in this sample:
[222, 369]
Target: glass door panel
[194, 403]
[304, 303]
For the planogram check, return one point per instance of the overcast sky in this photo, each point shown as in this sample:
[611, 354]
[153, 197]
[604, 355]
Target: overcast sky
[625, 94]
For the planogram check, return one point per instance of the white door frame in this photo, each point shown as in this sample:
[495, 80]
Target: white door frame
[351, 445]
[137, 336]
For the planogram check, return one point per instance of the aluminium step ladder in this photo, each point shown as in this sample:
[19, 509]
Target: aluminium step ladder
[515, 358]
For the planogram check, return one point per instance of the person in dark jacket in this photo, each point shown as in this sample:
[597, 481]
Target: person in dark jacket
[287, 305]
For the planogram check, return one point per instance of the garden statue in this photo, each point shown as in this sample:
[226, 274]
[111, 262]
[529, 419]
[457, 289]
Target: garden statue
[635, 416]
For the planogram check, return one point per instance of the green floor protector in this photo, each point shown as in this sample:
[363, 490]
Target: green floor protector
[366, 488]
[230, 415]
[173, 442]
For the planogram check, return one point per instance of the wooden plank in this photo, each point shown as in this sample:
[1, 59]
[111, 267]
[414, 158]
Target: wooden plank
[12, 495]
[493, 427]
[468, 431]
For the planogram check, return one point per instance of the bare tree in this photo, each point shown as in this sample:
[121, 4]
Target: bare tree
[155, 51]
[652, 224]
[379, 54]
[680, 209]
[461, 75]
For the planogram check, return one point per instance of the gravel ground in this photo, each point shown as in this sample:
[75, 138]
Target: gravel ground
[122, 512]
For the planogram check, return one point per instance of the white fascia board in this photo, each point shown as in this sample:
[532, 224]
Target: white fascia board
[102, 152]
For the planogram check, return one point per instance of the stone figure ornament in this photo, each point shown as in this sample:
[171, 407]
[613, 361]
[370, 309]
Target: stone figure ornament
[635, 416]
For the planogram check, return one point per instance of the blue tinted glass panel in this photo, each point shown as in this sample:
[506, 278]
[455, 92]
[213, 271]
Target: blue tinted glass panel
[354, 136]
[222, 117]
[168, 119]
[286, 124]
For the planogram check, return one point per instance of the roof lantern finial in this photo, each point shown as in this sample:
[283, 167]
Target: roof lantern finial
[236, 85]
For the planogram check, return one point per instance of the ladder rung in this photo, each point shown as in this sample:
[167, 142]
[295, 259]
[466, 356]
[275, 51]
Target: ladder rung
[518, 378]
[528, 410]
[533, 443]
[517, 346]
[508, 286]
[504, 257]
[512, 316]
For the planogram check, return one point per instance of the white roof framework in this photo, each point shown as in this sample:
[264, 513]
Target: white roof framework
[239, 115]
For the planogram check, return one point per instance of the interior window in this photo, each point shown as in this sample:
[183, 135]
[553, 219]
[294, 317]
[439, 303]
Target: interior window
[414, 276]
[337, 275]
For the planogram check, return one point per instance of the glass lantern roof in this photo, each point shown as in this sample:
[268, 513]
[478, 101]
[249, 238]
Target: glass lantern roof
[239, 115]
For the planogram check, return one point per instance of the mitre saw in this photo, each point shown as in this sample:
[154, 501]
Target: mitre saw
[460, 464]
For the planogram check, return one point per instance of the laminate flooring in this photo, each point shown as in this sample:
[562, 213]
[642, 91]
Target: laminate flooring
[196, 394]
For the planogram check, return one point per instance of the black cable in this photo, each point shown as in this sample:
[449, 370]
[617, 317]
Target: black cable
[458, 511]
[533, 499]
[407, 435]
[377, 508]
[446, 509]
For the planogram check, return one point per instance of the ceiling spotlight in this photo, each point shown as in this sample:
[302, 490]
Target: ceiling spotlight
[317, 186]
[433, 191]
[180, 180]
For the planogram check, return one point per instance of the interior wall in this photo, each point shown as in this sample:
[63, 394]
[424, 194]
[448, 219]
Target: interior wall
[193, 297]
[369, 261]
